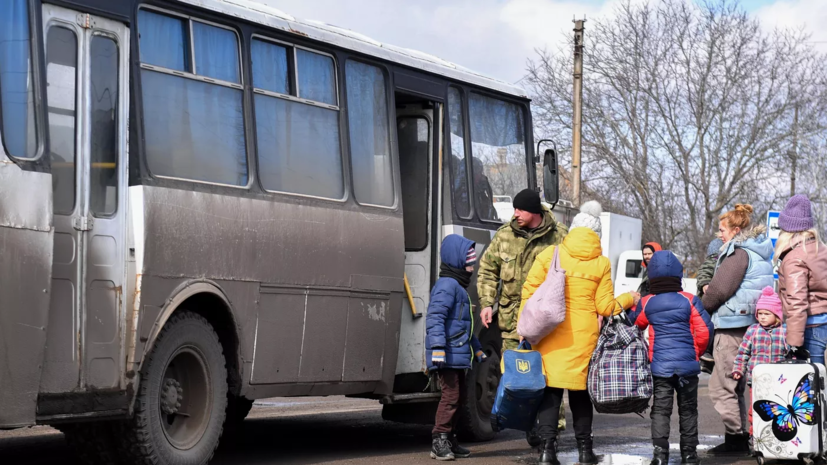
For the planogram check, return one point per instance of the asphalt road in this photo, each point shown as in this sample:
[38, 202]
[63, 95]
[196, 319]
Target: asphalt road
[337, 430]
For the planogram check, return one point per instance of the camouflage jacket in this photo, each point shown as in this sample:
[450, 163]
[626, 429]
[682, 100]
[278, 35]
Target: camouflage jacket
[706, 272]
[508, 259]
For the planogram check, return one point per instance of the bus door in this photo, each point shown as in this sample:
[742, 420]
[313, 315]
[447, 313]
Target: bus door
[414, 130]
[86, 75]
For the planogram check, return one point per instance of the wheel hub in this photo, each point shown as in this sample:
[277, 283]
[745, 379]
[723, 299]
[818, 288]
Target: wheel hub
[172, 393]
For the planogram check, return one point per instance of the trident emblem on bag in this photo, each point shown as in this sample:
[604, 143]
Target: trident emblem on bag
[523, 366]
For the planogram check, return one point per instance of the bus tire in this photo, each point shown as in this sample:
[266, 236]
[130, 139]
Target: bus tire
[92, 443]
[182, 399]
[481, 384]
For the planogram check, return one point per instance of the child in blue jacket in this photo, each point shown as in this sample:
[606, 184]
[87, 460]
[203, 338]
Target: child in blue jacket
[450, 342]
[679, 332]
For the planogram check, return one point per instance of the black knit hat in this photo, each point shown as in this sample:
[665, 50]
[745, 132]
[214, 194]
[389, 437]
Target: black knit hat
[529, 201]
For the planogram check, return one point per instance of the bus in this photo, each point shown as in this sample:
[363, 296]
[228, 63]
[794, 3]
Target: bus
[208, 202]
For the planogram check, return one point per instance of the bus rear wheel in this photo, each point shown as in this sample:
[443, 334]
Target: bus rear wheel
[480, 391]
[182, 398]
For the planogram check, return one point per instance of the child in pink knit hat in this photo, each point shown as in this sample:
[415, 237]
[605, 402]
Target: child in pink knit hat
[764, 342]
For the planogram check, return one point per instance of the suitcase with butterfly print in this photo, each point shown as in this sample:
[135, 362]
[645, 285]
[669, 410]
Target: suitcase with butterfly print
[788, 411]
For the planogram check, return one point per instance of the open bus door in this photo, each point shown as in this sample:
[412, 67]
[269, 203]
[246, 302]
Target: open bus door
[25, 215]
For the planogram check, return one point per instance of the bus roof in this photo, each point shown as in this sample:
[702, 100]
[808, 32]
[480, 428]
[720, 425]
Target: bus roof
[260, 13]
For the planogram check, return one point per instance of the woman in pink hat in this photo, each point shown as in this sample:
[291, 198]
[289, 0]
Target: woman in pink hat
[802, 280]
[764, 342]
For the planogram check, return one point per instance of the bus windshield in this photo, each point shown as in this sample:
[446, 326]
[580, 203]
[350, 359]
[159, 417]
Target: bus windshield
[17, 126]
[499, 155]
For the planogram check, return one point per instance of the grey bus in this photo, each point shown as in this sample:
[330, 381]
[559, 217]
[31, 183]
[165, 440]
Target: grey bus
[208, 202]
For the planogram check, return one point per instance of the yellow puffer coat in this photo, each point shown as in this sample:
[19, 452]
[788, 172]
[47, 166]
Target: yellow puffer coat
[589, 292]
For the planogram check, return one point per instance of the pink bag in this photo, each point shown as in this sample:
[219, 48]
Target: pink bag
[547, 307]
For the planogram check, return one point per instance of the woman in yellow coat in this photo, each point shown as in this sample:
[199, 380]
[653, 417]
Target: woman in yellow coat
[567, 350]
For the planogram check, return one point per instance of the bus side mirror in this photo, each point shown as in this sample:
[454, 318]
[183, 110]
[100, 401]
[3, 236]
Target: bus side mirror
[551, 186]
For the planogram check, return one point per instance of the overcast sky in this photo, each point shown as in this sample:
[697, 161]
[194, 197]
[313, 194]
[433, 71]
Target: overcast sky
[497, 37]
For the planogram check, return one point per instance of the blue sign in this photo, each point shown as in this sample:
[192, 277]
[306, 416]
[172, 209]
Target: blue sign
[773, 230]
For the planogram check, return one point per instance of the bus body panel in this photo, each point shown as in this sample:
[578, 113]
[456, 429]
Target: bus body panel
[25, 278]
[311, 286]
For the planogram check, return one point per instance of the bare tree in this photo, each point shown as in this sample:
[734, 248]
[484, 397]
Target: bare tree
[688, 108]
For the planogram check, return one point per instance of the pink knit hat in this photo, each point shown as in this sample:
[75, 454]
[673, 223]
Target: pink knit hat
[769, 301]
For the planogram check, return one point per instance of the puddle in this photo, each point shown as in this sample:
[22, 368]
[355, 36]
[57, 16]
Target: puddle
[633, 453]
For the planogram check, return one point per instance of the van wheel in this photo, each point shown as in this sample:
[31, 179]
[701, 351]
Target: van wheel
[182, 398]
[92, 443]
[480, 391]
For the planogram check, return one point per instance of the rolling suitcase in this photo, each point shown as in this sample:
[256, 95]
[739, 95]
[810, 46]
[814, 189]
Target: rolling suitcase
[788, 411]
[520, 391]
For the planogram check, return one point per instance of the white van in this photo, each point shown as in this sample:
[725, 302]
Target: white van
[629, 266]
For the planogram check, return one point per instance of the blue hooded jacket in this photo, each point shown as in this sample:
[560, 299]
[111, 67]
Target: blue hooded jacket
[679, 327]
[450, 322]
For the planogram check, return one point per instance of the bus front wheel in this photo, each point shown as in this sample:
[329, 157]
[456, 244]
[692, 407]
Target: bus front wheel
[181, 402]
[480, 390]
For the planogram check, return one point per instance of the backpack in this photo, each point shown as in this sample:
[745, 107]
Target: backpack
[521, 389]
[620, 380]
[547, 306]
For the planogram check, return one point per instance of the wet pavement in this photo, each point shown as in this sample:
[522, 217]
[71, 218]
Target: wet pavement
[337, 430]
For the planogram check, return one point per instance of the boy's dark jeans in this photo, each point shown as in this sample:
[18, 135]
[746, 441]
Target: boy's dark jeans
[452, 385]
[687, 389]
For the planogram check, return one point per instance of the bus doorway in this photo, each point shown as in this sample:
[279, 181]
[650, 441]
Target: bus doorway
[415, 122]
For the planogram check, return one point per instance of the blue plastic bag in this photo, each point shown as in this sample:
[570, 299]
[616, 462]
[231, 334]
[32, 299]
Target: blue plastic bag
[520, 391]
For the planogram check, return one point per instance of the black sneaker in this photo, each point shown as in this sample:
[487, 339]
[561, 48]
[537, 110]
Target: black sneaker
[689, 456]
[459, 451]
[660, 456]
[441, 447]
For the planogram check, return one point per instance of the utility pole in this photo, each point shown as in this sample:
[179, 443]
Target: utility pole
[577, 101]
[794, 153]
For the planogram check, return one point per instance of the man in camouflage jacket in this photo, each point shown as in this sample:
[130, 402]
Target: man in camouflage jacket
[509, 258]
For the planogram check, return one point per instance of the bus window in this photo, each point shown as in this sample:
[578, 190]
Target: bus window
[317, 77]
[499, 154]
[459, 164]
[370, 151]
[103, 183]
[164, 41]
[194, 127]
[16, 80]
[216, 52]
[61, 75]
[270, 67]
[298, 141]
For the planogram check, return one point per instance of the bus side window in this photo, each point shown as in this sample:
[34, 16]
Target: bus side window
[459, 162]
[499, 152]
[370, 151]
[19, 135]
[194, 127]
[299, 151]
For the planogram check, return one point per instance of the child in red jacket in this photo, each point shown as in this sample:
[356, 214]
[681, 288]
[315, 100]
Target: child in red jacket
[679, 330]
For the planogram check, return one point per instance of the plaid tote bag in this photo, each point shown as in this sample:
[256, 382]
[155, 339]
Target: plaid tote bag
[620, 380]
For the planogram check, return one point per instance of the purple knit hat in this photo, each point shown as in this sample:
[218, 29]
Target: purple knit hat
[797, 216]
